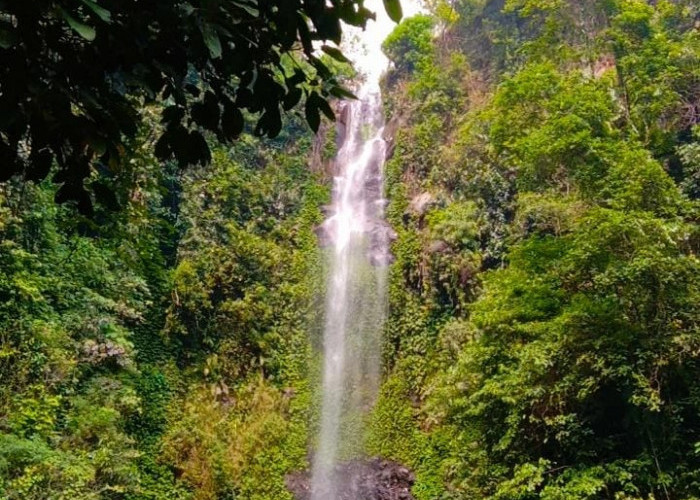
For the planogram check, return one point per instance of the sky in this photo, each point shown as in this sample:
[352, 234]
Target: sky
[364, 47]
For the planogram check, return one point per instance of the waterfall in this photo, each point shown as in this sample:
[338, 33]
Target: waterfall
[359, 239]
[355, 297]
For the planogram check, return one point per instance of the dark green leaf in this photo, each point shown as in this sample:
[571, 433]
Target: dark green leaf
[311, 111]
[252, 11]
[393, 9]
[326, 108]
[105, 195]
[162, 150]
[232, 122]
[207, 112]
[199, 149]
[335, 53]
[39, 165]
[341, 92]
[7, 38]
[101, 12]
[172, 114]
[212, 41]
[291, 99]
[270, 123]
[298, 77]
[85, 31]
[305, 34]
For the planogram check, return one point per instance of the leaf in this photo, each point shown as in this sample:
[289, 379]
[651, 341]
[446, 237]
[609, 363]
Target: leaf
[335, 53]
[85, 31]
[291, 99]
[298, 77]
[328, 27]
[341, 93]
[172, 114]
[270, 123]
[198, 149]
[207, 112]
[212, 41]
[304, 34]
[101, 12]
[39, 165]
[7, 38]
[321, 68]
[326, 108]
[71, 191]
[105, 195]
[311, 111]
[162, 150]
[252, 11]
[232, 122]
[393, 9]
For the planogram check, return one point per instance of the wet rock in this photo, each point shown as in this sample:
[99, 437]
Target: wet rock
[389, 134]
[324, 234]
[381, 235]
[382, 232]
[381, 259]
[374, 479]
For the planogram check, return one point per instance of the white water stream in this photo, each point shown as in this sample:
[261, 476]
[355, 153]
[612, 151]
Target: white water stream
[356, 289]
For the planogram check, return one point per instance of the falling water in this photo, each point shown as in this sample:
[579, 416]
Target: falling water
[356, 292]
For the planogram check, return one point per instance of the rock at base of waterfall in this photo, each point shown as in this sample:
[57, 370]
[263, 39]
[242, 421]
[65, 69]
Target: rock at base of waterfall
[374, 479]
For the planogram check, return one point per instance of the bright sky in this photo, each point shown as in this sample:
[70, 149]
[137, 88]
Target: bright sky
[367, 54]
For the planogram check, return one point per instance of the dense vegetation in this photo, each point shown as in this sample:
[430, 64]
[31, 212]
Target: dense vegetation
[543, 334]
[543, 340]
[162, 353]
[75, 73]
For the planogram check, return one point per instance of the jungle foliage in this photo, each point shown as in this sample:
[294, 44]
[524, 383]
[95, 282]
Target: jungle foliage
[74, 75]
[152, 355]
[543, 339]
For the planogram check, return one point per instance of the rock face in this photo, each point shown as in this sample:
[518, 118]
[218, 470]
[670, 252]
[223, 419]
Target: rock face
[374, 479]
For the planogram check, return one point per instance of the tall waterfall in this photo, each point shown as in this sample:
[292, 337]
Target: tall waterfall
[356, 291]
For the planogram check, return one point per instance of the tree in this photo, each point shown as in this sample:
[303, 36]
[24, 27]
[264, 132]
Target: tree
[75, 73]
[410, 43]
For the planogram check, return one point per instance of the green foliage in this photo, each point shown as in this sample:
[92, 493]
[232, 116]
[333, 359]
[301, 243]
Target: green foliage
[657, 61]
[565, 368]
[542, 338]
[588, 336]
[225, 451]
[206, 64]
[690, 159]
[409, 45]
[200, 284]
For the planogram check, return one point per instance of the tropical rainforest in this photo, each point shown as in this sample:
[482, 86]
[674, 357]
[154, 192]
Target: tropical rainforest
[164, 166]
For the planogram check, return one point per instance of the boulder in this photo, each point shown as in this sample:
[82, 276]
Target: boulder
[373, 479]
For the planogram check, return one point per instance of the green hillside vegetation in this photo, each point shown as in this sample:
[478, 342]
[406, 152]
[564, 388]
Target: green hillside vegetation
[542, 339]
